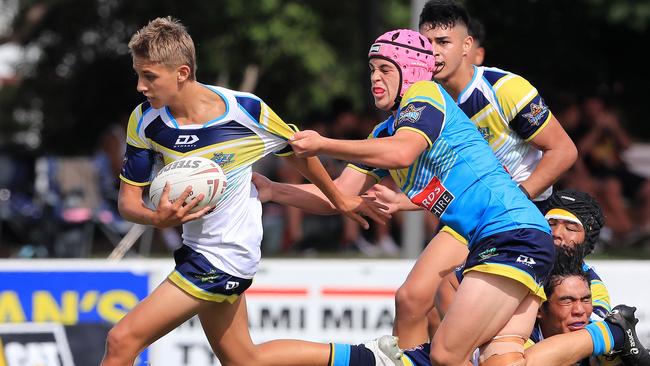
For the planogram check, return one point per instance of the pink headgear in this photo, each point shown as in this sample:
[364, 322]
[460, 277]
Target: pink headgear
[409, 51]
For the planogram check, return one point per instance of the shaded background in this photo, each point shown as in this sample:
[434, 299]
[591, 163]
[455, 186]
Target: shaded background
[67, 86]
[298, 56]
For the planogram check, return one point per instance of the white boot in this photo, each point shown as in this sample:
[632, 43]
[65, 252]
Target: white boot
[386, 351]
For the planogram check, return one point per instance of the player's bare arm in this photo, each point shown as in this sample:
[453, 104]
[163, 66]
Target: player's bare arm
[394, 152]
[167, 214]
[394, 200]
[348, 205]
[559, 154]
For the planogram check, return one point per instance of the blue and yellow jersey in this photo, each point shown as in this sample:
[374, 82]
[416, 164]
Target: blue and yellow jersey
[599, 294]
[508, 112]
[457, 177]
[230, 236]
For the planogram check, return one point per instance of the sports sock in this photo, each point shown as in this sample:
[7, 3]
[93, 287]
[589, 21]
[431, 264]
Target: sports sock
[350, 355]
[605, 337]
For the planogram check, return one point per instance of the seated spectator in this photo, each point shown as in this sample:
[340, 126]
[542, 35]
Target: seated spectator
[624, 194]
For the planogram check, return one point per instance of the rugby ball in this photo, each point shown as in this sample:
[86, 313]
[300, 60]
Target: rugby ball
[204, 175]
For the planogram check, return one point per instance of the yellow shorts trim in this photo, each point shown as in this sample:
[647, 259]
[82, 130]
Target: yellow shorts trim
[197, 292]
[453, 233]
[512, 273]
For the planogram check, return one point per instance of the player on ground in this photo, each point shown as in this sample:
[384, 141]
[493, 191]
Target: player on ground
[437, 157]
[575, 219]
[221, 251]
[568, 309]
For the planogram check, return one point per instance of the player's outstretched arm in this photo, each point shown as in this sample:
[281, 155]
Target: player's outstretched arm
[394, 152]
[389, 197]
[167, 214]
[559, 154]
[349, 205]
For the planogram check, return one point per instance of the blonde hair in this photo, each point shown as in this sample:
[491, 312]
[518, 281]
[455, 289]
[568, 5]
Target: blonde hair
[165, 41]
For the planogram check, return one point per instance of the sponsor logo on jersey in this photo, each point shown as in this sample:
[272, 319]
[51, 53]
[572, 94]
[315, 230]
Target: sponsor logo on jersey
[434, 197]
[232, 285]
[537, 112]
[488, 253]
[410, 114]
[186, 139]
[223, 159]
[527, 261]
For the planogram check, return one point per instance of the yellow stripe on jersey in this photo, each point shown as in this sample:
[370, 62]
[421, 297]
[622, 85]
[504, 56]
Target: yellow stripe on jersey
[134, 183]
[452, 232]
[246, 150]
[489, 119]
[600, 295]
[429, 142]
[426, 92]
[272, 122]
[132, 134]
[513, 93]
[197, 292]
[607, 338]
[513, 273]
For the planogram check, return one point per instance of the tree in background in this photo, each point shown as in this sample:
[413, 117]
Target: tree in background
[297, 55]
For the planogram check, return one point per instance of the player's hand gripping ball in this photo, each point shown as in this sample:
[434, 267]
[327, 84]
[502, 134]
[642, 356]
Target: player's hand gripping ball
[204, 175]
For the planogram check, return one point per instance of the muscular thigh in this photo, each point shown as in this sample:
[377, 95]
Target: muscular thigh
[440, 257]
[226, 327]
[480, 309]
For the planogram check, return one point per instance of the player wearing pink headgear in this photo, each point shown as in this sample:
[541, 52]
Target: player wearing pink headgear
[410, 52]
[431, 150]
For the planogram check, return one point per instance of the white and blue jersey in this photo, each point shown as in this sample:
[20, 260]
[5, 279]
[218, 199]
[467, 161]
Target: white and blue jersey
[229, 237]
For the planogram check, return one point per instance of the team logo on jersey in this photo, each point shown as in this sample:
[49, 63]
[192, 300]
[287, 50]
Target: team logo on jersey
[485, 132]
[434, 197]
[537, 112]
[186, 139]
[410, 114]
[223, 159]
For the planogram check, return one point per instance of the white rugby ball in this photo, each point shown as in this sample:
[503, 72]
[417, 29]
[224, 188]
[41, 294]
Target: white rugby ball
[204, 175]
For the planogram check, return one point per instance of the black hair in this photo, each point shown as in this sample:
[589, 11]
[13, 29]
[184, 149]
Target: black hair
[445, 13]
[585, 208]
[568, 263]
[476, 29]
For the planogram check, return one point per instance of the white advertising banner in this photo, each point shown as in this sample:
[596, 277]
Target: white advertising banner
[317, 300]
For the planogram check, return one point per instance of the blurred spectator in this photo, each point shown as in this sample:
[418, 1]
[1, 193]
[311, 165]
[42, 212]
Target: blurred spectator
[476, 54]
[601, 141]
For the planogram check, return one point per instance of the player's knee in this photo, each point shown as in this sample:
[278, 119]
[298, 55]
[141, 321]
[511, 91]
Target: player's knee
[411, 301]
[440, 356]
[503, 351]
[120, 341]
